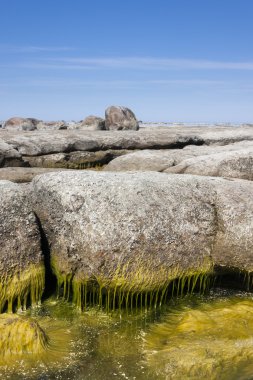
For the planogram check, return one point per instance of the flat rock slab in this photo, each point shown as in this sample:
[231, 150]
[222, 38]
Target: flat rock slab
[38, 143]
[236, 164]
[163, 159]
[142, 229]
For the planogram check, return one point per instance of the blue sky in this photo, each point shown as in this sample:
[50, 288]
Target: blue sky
[168, 60]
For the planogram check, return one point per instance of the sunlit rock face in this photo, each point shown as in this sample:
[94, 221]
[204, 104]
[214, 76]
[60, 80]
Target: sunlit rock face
[235, 164]
[210, 340]
[21, 261]
[20, 335]
[135, 233]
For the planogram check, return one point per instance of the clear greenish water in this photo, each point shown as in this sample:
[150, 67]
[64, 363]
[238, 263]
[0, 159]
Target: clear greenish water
[193, 337]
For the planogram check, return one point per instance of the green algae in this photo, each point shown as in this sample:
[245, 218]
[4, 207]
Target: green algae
[22, 289]
[132, 285]
[195, 337]
[20, 335]
[206, 340]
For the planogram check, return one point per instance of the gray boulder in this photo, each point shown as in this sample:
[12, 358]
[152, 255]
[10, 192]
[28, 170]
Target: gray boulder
[9, 156]
[21, 261]
[20, 123]
[93, 123]
[52, 125]
[136, 232]
[120, 118]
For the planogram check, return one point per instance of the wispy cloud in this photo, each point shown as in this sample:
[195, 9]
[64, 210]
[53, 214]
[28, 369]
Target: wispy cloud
[147, 63]
[33, 49]
[112, 83]
[129, 63]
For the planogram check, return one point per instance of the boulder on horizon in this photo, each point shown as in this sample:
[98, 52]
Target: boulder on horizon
[120, 118]
[20, 123]
[93, 123]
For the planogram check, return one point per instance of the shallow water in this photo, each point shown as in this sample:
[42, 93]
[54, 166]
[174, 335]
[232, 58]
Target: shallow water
[190, 338]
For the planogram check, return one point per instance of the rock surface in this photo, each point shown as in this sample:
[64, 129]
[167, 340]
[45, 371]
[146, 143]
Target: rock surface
[74, 160]
[120, 118]
[236, 164]
[9, 156]
[137, 231]
[164, 159]
[23, 174]
[21, 261]
[41, 142]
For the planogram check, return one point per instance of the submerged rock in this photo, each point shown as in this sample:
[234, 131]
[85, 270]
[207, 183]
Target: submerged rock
[120, 118]
[21, 261]
[134, 233]
[210, 340]
[20, 335]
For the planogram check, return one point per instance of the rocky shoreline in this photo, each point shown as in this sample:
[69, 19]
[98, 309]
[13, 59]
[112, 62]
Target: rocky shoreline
[171, 207]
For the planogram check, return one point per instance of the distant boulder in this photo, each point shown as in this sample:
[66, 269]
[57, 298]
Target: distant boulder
[93, 123]
[120, 118]
[52, 125]
[20, 123]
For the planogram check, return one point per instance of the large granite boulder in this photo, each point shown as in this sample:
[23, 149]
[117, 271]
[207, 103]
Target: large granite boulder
[21, 261]
[136, 232]
[120, 118]
[93, 123]
[20, 123]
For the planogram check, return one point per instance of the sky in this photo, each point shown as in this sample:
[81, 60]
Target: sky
[167, 60]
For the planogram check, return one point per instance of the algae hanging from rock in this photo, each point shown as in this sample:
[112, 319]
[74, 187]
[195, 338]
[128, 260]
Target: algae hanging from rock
[132, 286]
